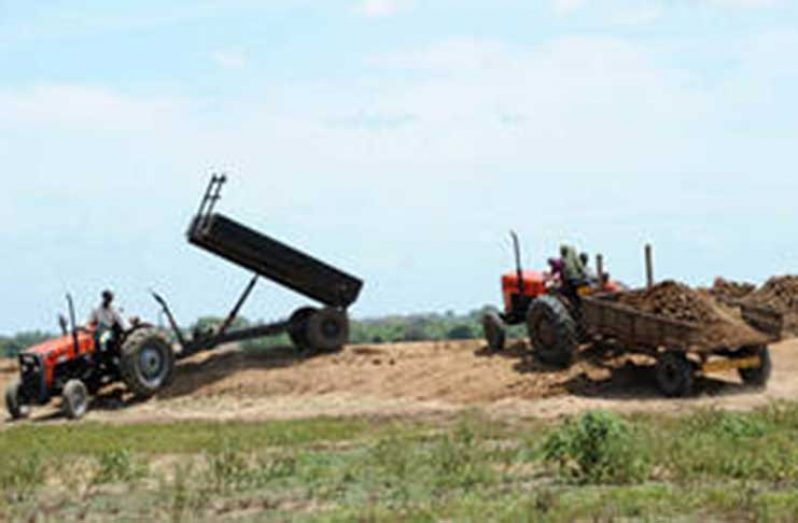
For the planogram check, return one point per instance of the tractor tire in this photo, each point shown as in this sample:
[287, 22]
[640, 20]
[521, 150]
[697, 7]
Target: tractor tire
[552, 331]
[298, 325]
[675, 375]
[74, 399]
[14, 403]
[147, 362]
[327, 330]
[758, 376]
[495, 334]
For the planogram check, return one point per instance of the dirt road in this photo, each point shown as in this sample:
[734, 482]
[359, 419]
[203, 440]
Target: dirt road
[422, 379]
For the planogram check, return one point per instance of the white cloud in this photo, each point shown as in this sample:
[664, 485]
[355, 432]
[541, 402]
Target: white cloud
[230, 58]
[381, 8]
[639, 15]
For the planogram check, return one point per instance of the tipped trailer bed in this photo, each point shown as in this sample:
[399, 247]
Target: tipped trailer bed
[311, 329]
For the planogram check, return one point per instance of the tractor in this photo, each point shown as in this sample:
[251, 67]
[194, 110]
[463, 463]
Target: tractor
[76, 365]
[539, 299]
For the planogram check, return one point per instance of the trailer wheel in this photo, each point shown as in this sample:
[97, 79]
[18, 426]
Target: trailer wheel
[74, 399]
[552, 331]
[757, 376]
[675, 374]
[147, 362]
[297, 327]
[14, 402]
[493, 327]
[327, 330]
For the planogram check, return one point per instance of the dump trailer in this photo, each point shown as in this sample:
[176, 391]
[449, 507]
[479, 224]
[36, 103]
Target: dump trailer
[681, 349]
[311, 329]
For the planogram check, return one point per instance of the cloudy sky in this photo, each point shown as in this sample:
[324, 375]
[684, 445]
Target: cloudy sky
[398, 139]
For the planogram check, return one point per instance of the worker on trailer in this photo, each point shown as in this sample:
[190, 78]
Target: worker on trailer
[107, 321]
[574, 271]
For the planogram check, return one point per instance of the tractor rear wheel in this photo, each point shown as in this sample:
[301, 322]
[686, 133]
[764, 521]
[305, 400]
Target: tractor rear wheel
[147, 362]
[552, 331]
[74, 399]
[757, 376]
[298, 325]
[14, 402]
[675, 374]
[493, 327]
[327, 330]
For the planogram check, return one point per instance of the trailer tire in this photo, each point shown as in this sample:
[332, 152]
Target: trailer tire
[552, 331]
[493, 328]
[758, 376]
[14, 402]
[74, 399]
[327, 330]
[147, 362]
[298, 325]
[675, 374]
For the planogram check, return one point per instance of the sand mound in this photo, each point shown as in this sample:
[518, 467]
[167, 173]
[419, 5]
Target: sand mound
[716, 328]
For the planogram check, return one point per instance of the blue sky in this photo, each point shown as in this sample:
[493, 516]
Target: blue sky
[399, 139]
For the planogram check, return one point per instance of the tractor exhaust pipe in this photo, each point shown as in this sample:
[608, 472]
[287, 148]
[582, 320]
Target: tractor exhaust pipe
[518, 269]
[73, 324]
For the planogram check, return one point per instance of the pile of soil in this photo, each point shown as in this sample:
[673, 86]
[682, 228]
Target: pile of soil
[730, 292]
[675, 301]
[779, 293]
[716, 328]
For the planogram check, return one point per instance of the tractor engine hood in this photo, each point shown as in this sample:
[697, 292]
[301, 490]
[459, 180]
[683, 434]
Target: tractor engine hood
[62, 347]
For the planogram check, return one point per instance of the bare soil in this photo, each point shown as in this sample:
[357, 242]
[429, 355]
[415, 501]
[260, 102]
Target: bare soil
[781, 294]
[416, 380]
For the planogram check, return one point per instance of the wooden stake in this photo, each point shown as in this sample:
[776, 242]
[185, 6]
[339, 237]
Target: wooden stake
[600, 270]
[649, 266]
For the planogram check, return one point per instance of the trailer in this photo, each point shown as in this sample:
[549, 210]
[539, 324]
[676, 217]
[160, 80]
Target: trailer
[682, 350]
[310, 328]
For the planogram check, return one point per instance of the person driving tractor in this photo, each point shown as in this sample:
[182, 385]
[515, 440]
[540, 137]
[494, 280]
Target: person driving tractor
[107, 321]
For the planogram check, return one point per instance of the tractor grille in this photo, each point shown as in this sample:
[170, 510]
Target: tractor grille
[32, 375]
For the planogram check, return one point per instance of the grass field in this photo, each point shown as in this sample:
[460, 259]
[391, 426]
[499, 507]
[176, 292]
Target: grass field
[708, 465]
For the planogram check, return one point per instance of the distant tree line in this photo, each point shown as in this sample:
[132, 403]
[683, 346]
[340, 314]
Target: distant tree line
[387, 329]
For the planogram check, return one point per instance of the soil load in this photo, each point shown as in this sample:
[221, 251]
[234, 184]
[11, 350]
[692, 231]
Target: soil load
[779, 293]
[730, 292]
[716, 327]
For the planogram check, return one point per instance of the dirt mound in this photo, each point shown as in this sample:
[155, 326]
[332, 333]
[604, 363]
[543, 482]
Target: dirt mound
[717, 328]
[779, 293]
[675, 301]
[730, 292]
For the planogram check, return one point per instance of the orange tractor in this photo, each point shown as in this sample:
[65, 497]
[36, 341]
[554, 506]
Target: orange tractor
[548, 305]
[77, 365]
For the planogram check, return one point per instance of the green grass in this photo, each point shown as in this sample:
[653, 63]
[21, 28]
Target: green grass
[704, 466]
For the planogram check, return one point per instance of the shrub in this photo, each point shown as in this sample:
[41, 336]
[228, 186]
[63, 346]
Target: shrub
[117, 466]
[598, 447]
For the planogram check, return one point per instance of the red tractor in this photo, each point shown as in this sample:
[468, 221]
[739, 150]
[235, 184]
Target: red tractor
[77, 365]
[541, 300]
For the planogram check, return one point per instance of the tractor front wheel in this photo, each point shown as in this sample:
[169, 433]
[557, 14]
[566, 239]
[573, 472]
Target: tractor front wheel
[493, 327]
[327, 330]
[14, 402]
[147, 362]
[74, 399]
[552, 331]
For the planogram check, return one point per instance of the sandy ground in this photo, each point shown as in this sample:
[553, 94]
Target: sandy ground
[416, 380]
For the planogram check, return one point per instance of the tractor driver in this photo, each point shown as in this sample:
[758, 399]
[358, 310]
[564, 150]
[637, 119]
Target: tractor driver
[108, 322]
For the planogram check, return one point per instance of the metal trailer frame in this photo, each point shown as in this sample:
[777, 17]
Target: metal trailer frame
[267, 258]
